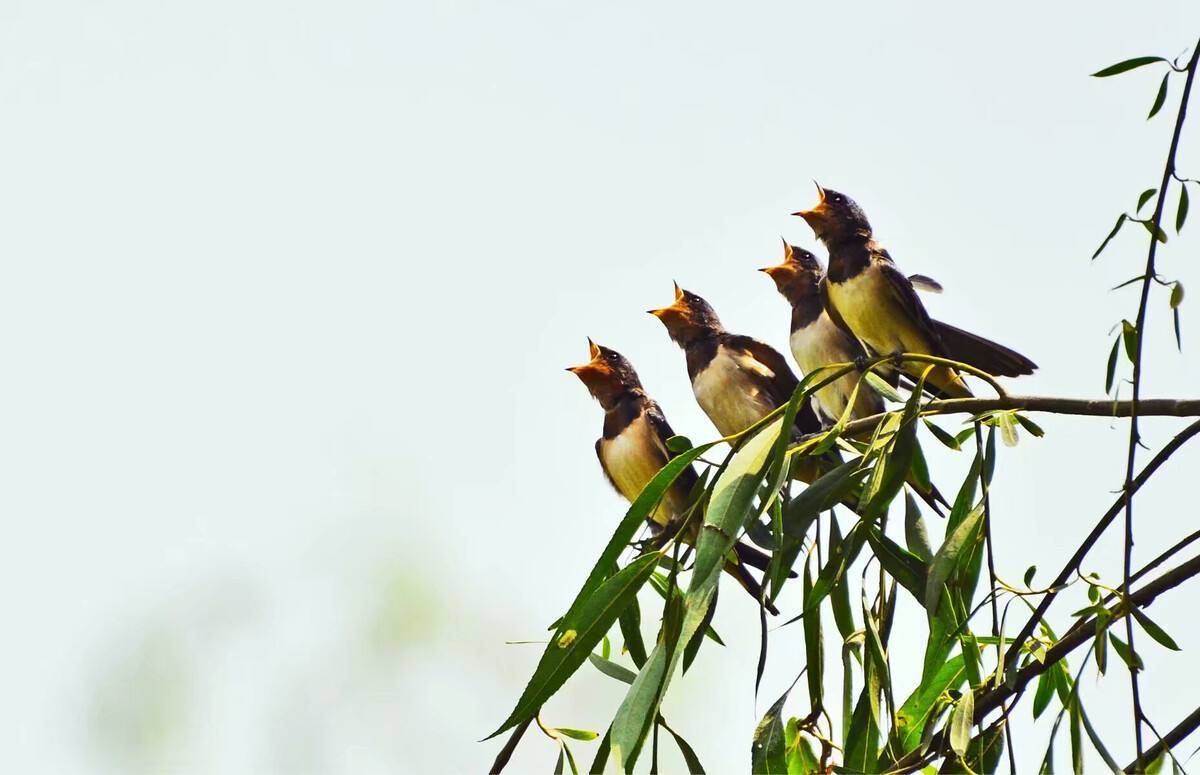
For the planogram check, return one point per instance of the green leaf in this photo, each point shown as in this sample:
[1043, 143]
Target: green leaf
[689, 756]
[641, 508]
[801, 759]
[944, 562]
[862, 739]
[1159, 99]
[943, 436]
[570, 758]
[839, 596]
[1076, 736]
[577, 734]
[1130, 658]
[729, 508]
[919, 710]
[1116, 228]
[558, 767]
[1112, 366]
[677, 444]
[768, 748]
[1030, 426]
[1153, 630]
[1097, 741]
[1154, 229]
[882, 387]
[983, 752]
[915, 534]
[1029, 574]
[601, 759]
[962, 718]
[1176, 294]
[1145, 197]
[630, 621]
[820, 496]
[899, 462]
[814, 645]
[1045, 691]
[1182, 212]
[1008, 428]
[1125, 66]
[612, 669]
[580, 632]
[904, 566]
[1129, 335]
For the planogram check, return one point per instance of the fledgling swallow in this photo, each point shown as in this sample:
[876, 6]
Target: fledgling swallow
[737, 380]
[867, 293]
[633, 449]
[817, 341]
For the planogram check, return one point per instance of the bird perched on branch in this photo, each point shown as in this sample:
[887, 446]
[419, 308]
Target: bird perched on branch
[816, 341]
[633, 449]
[737, 380]
[873, 299]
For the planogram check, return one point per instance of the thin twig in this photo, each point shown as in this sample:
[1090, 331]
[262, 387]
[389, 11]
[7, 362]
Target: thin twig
[991, 564]
[1139, 339]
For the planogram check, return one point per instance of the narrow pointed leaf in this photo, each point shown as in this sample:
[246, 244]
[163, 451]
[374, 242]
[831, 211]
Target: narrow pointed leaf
[962, 718]
[915, 534]
[944, 562]
[1153, 630]
[768, 748]
[1116, 228]
[1159, 99]
[581, 631]
[1125, 66]
[1181, 213]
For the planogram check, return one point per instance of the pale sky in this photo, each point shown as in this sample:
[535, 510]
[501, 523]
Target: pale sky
[290, 287]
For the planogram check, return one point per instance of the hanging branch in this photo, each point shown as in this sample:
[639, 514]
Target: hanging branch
[1140, 336]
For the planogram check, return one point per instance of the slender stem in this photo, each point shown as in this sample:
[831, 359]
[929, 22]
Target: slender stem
[991, 563]
[1077, 559]
[1182, 730]
[1140, 328]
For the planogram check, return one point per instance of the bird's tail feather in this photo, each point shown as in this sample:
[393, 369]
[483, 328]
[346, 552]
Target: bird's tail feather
[995, 359]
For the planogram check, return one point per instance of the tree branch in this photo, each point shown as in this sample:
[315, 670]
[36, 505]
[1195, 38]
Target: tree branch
[1152, 407]
[1182, 730]
[1081, 633]
[1140, 336]
[1077, 559]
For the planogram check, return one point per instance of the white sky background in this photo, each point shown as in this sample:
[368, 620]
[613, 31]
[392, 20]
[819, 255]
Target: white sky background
[288, 291]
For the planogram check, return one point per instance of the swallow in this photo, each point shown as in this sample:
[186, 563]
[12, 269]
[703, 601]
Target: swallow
[817, 341]
[737, 380]
[633, 449]
[866, 293]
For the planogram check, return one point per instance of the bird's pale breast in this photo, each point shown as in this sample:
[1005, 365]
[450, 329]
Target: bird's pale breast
[730, 392]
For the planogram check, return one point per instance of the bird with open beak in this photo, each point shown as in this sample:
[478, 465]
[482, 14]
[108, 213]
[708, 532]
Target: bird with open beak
[867, 294]
[816, 341]
[737, 380]
[633, 449]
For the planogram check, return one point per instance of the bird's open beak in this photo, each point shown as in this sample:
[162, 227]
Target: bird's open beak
[784, 271]
[678, 307]
[818, 210]
[595, 366]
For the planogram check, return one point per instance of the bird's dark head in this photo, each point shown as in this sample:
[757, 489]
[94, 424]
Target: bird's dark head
[799, 276]
[689, 319]
[608, 375]
[836, 217]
